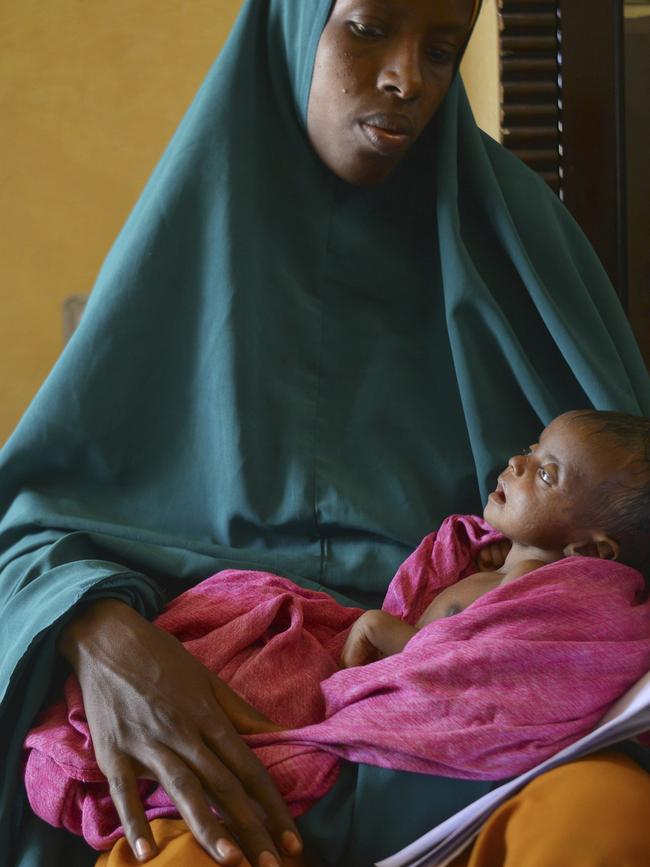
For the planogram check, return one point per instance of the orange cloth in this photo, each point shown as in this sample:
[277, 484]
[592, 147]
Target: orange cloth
[590, 813]
[175, 844]
[177, 848]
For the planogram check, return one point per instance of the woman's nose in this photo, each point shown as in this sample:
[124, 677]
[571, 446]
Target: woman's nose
[517, 464]
[401, 74]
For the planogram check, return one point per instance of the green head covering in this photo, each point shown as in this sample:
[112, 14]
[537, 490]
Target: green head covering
[278, 370]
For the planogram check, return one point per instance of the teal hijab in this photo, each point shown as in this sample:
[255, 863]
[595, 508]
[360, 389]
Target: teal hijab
[277, 370]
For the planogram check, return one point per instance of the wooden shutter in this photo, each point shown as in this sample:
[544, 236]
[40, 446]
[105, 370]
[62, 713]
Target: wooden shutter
[562, 110]
[531, 120]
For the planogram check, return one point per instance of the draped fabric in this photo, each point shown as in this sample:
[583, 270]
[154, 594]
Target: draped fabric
[524, 671]
[279, 371]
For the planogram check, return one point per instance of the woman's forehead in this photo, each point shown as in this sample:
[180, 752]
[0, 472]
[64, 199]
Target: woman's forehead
[459, 14]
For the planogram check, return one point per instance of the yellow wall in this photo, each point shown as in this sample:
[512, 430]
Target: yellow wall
[90, 92]
[480, 70]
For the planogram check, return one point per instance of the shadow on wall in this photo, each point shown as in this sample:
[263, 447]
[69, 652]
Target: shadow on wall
[73, 308]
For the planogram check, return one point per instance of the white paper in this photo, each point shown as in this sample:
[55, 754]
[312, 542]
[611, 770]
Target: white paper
[630, 716]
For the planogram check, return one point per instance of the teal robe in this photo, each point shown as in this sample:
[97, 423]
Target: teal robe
[278, 370]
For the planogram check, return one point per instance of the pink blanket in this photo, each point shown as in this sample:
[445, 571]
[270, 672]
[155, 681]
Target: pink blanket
[522, 672]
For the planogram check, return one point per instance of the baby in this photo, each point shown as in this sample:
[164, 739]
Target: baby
[583, 489]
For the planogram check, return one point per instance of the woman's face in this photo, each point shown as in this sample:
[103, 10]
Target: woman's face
[382, 69]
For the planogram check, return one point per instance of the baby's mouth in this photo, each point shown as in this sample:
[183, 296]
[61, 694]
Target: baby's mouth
[499, 494]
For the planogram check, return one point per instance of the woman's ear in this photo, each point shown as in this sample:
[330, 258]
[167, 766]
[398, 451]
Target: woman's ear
[598, 545]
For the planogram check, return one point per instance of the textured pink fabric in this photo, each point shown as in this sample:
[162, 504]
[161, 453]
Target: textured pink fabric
[522, 672]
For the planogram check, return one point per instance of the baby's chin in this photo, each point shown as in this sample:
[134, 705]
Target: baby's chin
[491, 515]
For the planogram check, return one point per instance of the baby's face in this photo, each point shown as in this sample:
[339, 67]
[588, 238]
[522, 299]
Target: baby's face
[542, 497]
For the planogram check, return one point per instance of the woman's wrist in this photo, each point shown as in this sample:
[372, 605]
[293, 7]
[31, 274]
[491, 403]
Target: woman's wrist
[84, 628]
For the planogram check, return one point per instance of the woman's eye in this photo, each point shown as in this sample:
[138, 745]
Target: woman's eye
[365, 30]
[544, 476]
[440, 56]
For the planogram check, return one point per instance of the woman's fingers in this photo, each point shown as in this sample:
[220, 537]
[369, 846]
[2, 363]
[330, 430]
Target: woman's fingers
[245, 765]
[273, 830]
[126, 798]
[189, 782]
[244, 717]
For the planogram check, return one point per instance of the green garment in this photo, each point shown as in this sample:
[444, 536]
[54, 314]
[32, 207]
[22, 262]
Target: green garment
[281, 371]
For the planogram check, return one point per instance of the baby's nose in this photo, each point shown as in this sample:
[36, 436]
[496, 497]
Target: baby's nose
[517, 464]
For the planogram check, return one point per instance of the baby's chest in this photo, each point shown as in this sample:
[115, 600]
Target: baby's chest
[454, 599]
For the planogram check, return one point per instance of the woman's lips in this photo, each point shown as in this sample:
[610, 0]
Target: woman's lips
[388, 134]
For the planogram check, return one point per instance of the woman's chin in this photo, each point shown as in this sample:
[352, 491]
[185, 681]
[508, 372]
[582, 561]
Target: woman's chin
[360, 169]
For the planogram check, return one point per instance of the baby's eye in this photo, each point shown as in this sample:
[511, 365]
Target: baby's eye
[544, 476]
[366, 31]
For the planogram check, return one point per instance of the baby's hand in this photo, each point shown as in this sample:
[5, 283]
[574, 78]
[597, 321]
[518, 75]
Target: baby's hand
[493, 556]
[358, 648]
[375, 635]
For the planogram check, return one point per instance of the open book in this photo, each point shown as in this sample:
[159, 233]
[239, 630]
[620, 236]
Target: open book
[630, 716]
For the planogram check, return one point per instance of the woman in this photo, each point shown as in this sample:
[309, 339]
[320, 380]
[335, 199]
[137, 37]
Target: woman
[293, 359]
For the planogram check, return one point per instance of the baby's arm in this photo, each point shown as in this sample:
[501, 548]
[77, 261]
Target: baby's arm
[374, 635]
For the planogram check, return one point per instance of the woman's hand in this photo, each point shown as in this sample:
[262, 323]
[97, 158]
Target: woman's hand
[493, 556]
[374, 635]
[245, 718]
[156, 712]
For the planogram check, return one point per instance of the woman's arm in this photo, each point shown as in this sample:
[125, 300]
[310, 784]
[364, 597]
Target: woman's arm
[374, 635]
[155, 711]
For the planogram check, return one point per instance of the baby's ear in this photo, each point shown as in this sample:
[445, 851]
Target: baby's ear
[596, 545]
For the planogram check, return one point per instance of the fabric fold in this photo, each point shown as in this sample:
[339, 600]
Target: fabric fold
[525, 670]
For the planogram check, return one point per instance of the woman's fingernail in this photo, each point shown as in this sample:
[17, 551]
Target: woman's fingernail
[291, 843]
[143, 848]
[224, 848]
[267, 859]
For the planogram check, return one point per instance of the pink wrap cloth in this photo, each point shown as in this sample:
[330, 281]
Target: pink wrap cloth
[525, 670]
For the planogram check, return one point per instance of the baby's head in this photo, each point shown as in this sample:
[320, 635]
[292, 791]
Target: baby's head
[584, 488]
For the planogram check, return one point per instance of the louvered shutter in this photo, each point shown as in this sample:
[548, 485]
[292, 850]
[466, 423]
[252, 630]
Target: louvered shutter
[562, 110]
[531, 120]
